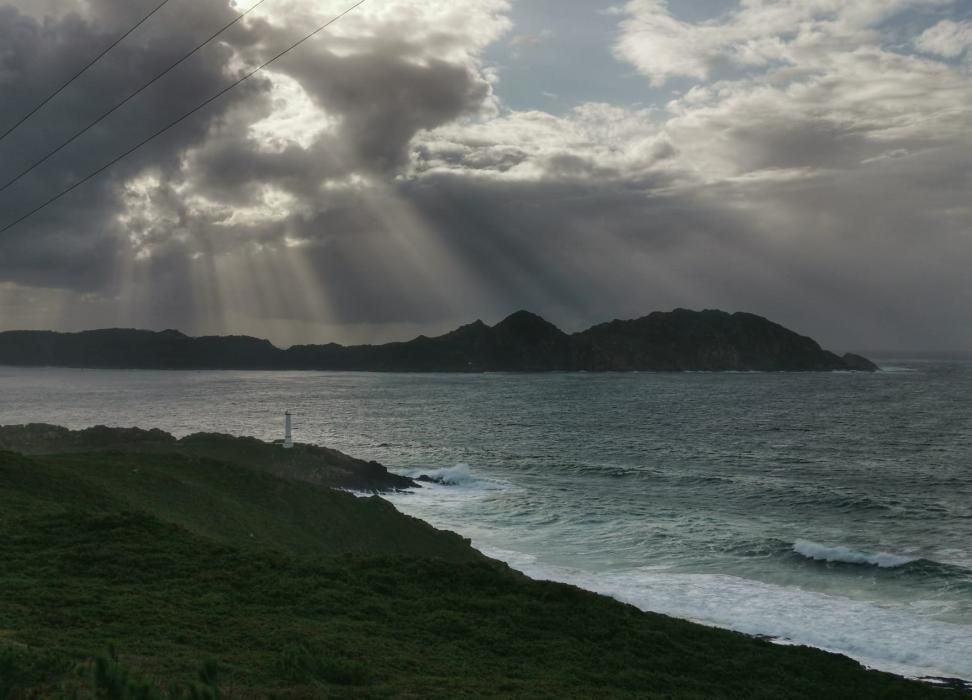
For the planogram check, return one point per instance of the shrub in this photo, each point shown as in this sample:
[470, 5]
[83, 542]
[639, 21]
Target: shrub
[300, 663]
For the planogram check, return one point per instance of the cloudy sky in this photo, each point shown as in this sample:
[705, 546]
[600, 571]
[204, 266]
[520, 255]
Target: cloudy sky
[427, 162]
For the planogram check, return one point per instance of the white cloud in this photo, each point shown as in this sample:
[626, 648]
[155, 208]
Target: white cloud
[760, 33]
[824, 89]
[592, 140]
[947, 38]
[294, 120]
[446, 29]
[869, 102]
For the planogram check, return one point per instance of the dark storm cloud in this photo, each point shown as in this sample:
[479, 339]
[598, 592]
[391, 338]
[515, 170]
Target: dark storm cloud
[77, 242]
[380, 98]
[385, 97]
[377, 95]
[372, 180]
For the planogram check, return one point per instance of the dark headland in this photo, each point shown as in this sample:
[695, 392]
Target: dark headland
[134, 565]
[679, 340]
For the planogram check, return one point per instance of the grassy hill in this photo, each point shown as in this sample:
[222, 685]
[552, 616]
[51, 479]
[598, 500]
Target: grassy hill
[316, 465]
[206, 578]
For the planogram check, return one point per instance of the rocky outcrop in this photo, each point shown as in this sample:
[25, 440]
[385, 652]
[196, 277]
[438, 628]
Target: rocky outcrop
[679, 340]
[856, 363]
[309, 463]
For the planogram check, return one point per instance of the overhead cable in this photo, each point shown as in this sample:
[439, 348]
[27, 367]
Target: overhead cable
[128, 99]
[181, 119]
[81, 72]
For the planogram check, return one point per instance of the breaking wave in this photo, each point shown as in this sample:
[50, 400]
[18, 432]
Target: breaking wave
[846, 555]
[461, 476]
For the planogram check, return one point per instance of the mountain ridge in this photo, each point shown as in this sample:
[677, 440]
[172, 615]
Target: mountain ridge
[679, 340]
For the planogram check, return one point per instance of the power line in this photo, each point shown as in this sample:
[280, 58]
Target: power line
[128, 99]
[77, 75]
[181, 119]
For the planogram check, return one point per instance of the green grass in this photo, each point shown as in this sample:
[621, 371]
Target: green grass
[151, 556]
[316, 465]
[227, 503]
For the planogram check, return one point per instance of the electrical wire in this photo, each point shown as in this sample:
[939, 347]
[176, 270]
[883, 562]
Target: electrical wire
[81, 72]
[128, 99]
[181, 119]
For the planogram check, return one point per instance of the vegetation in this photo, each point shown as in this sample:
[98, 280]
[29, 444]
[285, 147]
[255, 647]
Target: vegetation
[134, 575]
[316, 465]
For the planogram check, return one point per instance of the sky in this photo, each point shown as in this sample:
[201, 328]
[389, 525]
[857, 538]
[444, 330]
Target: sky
[424, 163]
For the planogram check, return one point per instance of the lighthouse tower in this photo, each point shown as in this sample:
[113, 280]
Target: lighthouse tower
[288, 442]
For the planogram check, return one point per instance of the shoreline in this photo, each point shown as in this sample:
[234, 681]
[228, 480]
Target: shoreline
[398, 490]
[952, 682]
[261, 551]
[519, 564]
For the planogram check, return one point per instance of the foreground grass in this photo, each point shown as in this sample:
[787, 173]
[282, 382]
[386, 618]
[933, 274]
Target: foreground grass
[91, 560]
[226, 503]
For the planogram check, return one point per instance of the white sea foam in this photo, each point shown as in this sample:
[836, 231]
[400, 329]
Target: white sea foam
[898, 639]
[880, 637]
[459, 475]
[445, 504]
[846, 555]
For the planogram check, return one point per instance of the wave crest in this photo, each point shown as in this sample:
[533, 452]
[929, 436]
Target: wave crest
[459, 475]
[846, 555]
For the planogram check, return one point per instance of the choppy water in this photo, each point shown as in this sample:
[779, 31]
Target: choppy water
[828, 509]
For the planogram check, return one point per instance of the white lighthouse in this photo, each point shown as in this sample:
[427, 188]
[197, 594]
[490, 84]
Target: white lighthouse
[288, 442]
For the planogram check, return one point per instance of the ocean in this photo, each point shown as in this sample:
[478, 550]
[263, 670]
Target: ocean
[833, 510]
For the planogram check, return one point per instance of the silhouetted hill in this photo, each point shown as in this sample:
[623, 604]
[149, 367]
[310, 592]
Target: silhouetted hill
[707, 340]
[679, 340]
[135, 349]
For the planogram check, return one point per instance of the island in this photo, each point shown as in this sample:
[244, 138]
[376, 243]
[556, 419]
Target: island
[138, 565]
[680, 340]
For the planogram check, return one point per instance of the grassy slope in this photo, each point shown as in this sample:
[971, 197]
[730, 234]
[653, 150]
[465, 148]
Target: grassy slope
[229, 504]
[334, 612]
[316, 465]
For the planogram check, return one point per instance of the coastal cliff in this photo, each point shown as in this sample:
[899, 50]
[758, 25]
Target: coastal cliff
[320, 466]
[136, 570]
[679, 340]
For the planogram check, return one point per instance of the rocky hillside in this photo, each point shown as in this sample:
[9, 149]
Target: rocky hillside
[707, 340]
[680, 340]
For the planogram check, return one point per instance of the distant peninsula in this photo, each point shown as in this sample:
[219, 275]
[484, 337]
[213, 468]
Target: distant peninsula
[680, 340]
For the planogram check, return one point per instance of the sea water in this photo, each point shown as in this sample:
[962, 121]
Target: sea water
[829, 509]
